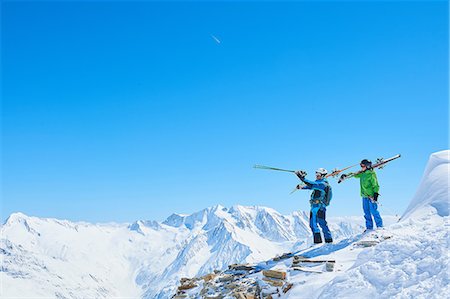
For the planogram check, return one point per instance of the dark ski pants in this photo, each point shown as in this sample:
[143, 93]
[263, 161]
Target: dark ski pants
[371, 209]
[317, 215]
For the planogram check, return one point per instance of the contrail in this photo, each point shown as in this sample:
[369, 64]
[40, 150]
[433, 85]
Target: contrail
[215, 38]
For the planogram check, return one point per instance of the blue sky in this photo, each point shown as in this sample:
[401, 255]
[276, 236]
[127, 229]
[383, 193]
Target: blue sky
[117, 111]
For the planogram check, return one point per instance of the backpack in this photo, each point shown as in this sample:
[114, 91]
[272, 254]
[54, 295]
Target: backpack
[328, 195]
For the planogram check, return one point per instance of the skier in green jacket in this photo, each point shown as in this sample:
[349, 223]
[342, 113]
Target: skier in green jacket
[369, 194]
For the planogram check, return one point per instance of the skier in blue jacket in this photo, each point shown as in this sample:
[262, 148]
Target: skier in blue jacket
[320, 198]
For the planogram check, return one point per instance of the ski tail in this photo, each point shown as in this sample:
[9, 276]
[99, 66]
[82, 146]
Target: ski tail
[257, 166]
[336, 172]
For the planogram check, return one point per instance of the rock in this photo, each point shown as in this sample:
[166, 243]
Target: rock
[296, 262]
[232, 286]
[238, 267]
[209, 277]
[306, 269]
[226, 277]
[283, 256]
[187, 286]
[243, 295]
[273, 282]
[287, 287]
[275, 274]
[300, 257]
[329, 266]
[183, 280]
[367, 243]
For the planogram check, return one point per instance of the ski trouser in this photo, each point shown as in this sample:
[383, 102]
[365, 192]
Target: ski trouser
[317, 215]
[371, 209]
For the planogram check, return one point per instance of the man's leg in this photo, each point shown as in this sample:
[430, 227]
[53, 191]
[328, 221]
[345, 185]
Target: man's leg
[376, 214]
[313, 224]
[321, 215]
[367, 213]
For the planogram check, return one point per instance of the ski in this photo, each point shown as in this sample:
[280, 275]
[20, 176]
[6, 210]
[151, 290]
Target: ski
[380, 163]
[336, 171]
[271, 168]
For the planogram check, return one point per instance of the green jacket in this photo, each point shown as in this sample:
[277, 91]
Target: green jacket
[368, 182]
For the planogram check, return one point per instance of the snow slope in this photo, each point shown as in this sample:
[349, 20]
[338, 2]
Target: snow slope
[55, 258]
[146, 259]
[408, 259]
[414, 263]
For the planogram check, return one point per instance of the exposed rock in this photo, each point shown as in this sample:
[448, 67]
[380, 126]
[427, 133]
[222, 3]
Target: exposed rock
[287, 287]
[275, 274]
[187, 286]
[283, 256]
[209, 277]
[238, 267]
[273, 282]
[329, 266]
[367, 243]
[226, 277]
[243, 295]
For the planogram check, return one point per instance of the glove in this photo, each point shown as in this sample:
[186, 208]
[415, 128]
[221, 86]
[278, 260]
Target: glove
[375, 196]
[343, 177]
[301, 174]
[299, 186]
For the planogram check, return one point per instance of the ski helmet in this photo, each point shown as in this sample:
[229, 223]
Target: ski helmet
[322, 171]
[366, 163]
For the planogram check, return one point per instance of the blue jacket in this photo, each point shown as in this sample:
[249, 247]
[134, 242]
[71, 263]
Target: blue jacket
[318, 187]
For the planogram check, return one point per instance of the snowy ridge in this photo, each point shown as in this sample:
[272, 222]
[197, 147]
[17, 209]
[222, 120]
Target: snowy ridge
[408, 259]
[146, 259]
[59, 258]
[434, 189]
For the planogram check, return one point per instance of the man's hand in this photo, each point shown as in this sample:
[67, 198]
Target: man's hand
[375, 196]
[299, 186]
[343, 177]
[301, 174]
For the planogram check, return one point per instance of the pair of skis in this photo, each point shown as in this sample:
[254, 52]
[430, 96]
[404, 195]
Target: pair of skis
[380, 163]
[334, 173]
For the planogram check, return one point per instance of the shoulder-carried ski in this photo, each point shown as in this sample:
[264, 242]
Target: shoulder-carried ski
[336, 171]
[380, 163]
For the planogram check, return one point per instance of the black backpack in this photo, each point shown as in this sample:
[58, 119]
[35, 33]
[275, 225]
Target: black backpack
[328, 194]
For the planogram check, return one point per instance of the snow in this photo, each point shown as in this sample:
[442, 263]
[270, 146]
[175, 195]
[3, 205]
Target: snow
[51, 257]
[414, 263]
[434, 189]
[145, 259]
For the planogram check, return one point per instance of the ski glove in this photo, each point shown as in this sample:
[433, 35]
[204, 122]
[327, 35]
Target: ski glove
[375, 196]
[301, 174]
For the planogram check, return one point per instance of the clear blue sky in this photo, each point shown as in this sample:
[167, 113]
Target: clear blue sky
[117, 111]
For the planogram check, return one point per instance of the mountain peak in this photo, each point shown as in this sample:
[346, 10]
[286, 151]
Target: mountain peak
[16, 217]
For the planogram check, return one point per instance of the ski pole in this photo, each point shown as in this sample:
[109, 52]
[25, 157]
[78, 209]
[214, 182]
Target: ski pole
[271, 168]
[301, 186]
[389, 210]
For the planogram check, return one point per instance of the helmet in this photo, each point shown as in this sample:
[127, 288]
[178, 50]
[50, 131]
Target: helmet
[322, 171]
[367, 163]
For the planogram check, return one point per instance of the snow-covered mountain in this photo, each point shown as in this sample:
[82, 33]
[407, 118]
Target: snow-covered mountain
[146, 259]
[55, 258]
